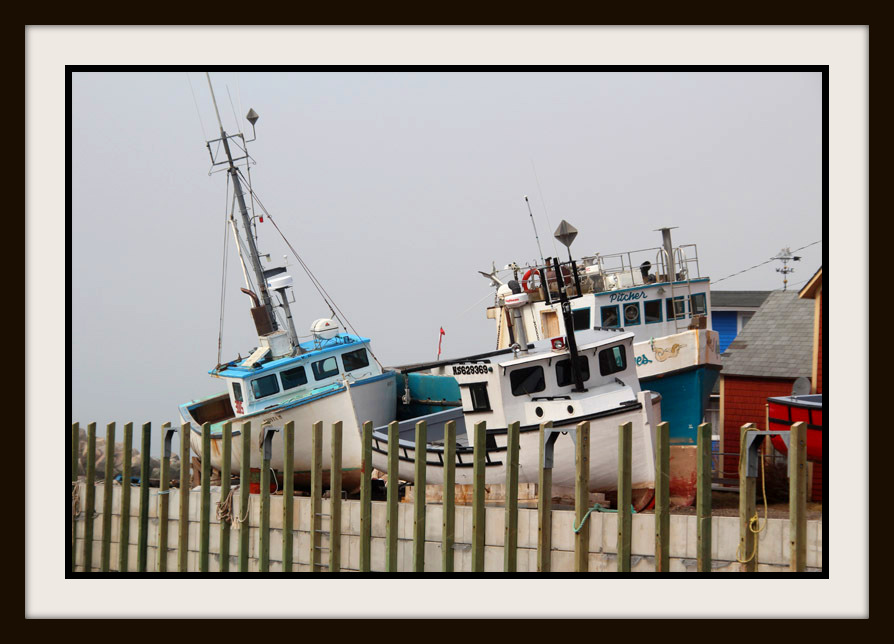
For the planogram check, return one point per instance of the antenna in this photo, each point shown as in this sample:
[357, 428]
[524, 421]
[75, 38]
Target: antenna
[536, 236]
[785, 256]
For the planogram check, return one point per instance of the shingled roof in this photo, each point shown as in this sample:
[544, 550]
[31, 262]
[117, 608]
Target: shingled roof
[733, 299]
[777, 342]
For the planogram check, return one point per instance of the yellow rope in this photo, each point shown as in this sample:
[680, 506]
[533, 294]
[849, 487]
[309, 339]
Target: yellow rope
[754, 520]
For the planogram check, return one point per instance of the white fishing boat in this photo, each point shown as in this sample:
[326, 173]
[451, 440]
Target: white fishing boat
[656, 294]
[333, 376]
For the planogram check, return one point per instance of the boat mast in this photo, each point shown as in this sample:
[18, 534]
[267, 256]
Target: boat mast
[254, 257]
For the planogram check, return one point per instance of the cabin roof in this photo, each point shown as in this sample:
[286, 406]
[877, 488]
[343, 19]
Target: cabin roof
[234, 369]
[543, 353]
[777, 342]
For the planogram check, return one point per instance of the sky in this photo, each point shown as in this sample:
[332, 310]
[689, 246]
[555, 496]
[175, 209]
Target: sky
[396, 189]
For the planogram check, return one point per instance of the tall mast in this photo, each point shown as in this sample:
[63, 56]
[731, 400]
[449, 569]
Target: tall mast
[254, 257]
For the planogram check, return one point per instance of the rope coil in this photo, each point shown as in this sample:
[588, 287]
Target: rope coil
[75, 501]
[754, 520]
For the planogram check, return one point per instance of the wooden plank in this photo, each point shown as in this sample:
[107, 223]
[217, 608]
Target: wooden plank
[145, 462]
[225, 490]
[264, 528]
[288, 495]
[124, 514]
[244, 497]
[448, 520]
[205, 507]
[582, 497]
[90, 498]
[391, 519]
[798, 497]
[510, 521]
[107, 494]
[419, 498]
[544, 505]
[316, 496]
[163, 503]
[746, 554]
[75, 445]
[366, 496]
[662, 498]
[335, 499]
[703, 498]
[625, 495]
[183, 518]
[478, 491]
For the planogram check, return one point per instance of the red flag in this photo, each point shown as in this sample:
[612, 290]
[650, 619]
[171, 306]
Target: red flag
[440, 337]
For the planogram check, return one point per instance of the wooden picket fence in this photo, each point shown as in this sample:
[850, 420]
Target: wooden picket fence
[747, 505]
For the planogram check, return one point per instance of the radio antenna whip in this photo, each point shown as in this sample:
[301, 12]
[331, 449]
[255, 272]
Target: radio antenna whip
[536, 236]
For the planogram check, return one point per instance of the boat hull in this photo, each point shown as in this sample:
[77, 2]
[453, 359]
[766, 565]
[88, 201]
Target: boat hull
[784, 411]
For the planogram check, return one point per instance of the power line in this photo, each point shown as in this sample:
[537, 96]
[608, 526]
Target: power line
[772, 259]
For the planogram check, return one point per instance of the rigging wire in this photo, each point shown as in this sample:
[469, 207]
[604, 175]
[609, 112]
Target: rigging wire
[196, 103]
[333, 307]
[545, 209]
[223, 277]
[772, 259]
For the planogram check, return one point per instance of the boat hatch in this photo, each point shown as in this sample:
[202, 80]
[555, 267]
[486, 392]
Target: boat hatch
[212, 410]
[259, 353]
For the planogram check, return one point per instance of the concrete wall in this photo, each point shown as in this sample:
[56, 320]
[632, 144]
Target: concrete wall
[773, 553]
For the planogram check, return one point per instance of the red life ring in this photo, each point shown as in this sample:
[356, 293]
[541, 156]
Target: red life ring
[527, 276]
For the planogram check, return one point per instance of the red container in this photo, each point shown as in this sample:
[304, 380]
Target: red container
[787, 410]
[254, 482]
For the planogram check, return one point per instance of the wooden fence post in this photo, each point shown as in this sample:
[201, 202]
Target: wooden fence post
[797, 454]
[510, 536]
[244, 517]
[335, 499]
[391, 518]
[205, 507]
[582, 498]
[183, 518]
[145, 463]
[124, 519]
[75, 458]
[544, 505]
[90, 500]
[288, 494]
[107, 494]
[161, 560]
[366, 496]
[625, 493]
[662, 498]
[226, 465]
[478, 490]
[448, 520]
[419, 498]
[316, 496]
[264, 528]
[747, 509]
[703, 498]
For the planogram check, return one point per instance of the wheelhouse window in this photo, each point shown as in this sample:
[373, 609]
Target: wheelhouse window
[652, 311]
[265, 386]
[325, 368]
[631, 314]
[610, 316]
[564, 377]
[237, 392]
[527, 380]
[292, 378]
[676, 308]
[480, 399]
[697, 304]
[581, 319]
[355, 360]
[612, 360]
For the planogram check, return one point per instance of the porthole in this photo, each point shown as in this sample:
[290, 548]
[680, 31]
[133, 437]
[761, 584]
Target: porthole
[539, 412]
[570, 409]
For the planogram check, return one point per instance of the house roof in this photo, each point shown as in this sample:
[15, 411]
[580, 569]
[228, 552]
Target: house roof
[777, 342]
[733, 299]
[814, 284]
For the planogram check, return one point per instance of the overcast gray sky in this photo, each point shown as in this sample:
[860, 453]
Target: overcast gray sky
[396, 188]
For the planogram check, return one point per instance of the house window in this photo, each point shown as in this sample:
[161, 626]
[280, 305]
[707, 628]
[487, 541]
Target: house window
[355, 360]
[292, 378]
[652, 310]
[581, 319]
[612, 360]
[325, 368]
[677, 305]
[631, 314]
[527, 380]
[265, 386]
[478, 393]
[697, 304]
[564, 377]
[610, 316]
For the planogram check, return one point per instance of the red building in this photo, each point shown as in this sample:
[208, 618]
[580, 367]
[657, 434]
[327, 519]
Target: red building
[772, 351]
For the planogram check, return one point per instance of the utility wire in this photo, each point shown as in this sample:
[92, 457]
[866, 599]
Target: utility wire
[772, 259]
